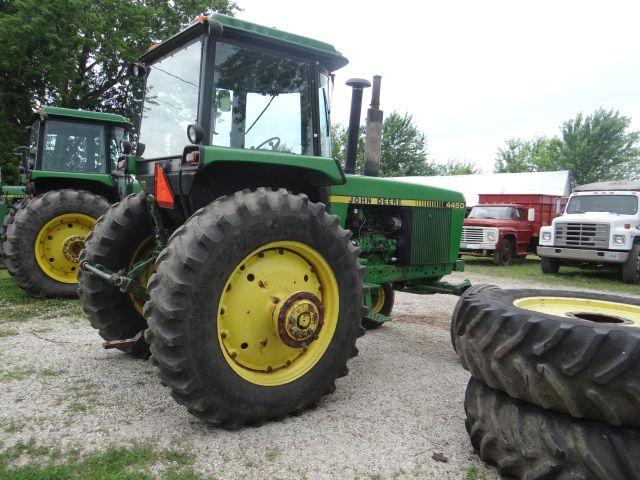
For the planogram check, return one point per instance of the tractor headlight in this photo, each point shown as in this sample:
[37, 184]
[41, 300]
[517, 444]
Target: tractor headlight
[491, 236]
[619, 239]
[195, 133]
[546, 236]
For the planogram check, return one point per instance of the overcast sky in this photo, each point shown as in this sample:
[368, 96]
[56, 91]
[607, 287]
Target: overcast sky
[474, 73]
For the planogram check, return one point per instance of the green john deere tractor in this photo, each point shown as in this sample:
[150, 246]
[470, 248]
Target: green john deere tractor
[251, 259]
[69, 176]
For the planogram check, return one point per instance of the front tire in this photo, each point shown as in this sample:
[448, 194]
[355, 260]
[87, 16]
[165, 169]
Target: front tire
[503, 256]
[631, 268]
[44, 241]
[549, 265]
[222, 317]
[383, 302]
[122, 237]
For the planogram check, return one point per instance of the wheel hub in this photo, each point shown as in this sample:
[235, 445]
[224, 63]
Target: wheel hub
[299, 319]
[72, 247]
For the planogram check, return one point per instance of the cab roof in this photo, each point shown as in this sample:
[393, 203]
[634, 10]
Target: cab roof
[232, 26]
[100, 117]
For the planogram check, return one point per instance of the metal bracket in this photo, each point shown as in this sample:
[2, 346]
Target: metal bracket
[377, 317]
[120, 280]
[438, 287]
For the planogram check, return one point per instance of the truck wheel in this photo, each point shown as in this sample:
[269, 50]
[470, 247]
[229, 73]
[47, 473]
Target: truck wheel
[631, 268]
[549, 265]
[255, 307]
[573, 352]
[528, 442]
[121, 238]
[505, 253]
[383, 301]
[8, 220]
[46, 237]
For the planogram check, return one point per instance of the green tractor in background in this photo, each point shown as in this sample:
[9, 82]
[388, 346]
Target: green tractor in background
[69, 177]
[251, 260]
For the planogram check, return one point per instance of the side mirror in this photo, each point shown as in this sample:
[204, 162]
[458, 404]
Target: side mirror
[140, 149]
[223, 100]
[125, 147]
[531, 214]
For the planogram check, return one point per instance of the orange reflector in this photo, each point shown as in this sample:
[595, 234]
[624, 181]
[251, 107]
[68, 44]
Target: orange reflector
[199, 19]
[164, 195]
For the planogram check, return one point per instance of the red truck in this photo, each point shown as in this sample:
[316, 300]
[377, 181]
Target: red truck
[507, 226]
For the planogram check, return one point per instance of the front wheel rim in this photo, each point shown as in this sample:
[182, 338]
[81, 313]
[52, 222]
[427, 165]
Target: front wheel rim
[277, 313]
[596, 311]
[59, 243]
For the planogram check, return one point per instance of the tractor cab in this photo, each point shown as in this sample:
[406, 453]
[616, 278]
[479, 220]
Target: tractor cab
[65, 142]
[225, 89]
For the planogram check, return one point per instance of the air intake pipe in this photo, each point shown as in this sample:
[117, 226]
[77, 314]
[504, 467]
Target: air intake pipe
[373, 138]
[358, 85]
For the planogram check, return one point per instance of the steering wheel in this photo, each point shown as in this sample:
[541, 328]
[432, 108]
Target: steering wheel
[268, 141]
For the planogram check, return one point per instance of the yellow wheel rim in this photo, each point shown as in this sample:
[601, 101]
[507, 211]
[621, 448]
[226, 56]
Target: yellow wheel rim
[278, 313]
[143, 252]
[378, 300]
[59, 243]
[599, 311]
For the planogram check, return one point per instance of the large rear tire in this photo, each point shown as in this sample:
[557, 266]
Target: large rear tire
[8, 220]
[573, 352]
[227, 301]
[122, 237]
[45, 239]
[528, 442]
[631, 268]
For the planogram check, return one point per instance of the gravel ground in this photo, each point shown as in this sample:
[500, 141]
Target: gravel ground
[400, 404]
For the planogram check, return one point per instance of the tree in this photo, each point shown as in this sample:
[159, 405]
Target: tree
[456, 167]
[535, 155]
[594, 148]
[75, 53]
[404, 147]
[599, 147]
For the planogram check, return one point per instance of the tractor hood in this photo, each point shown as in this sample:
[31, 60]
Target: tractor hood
[385, 191]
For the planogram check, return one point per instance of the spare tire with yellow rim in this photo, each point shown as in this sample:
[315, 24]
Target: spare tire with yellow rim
[44, 241]
[573, 352]
[255, 307]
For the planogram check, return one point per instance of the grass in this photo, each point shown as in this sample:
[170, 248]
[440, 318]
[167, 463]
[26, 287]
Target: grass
[17, 306]
[567, 278]
[115, 463]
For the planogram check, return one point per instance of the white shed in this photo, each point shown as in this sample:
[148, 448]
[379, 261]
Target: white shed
[540, 183]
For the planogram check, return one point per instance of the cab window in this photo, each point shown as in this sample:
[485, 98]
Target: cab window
[73, 147]
[261, 101]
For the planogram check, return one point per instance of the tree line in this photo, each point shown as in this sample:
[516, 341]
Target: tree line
[404, 150]
[594, 148]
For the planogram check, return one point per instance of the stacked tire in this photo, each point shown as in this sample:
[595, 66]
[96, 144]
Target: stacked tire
[555, 387]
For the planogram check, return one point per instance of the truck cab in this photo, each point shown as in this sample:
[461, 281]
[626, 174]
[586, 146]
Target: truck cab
[506, 226]
[600, 228]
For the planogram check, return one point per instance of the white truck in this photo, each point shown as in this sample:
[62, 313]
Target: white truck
[600, 228]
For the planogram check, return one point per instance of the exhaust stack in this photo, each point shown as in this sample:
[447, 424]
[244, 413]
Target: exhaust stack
[358, 85]
[373, 138]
